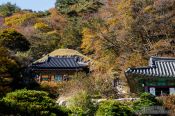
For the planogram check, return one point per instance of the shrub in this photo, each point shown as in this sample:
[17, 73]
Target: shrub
[113, 108]
[29, 102]
[42, 27]
[146, 99]
[82, 105]
[19, 19]
[169, 103]
[52, 88]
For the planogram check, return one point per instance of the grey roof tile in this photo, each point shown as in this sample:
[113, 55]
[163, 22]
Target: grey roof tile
[158, 66]
[60, 63]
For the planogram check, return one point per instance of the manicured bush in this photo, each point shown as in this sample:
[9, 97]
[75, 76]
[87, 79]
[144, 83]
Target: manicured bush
[113, 108]
[30, 102]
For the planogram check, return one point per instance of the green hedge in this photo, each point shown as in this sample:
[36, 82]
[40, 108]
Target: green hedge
[30, 102]
[146, 99]
[113, 108]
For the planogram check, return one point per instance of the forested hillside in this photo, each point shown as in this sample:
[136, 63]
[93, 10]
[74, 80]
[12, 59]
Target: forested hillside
[115, 34]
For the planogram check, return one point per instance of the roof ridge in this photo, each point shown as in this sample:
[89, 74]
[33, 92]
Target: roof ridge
[65, 56]
[154, 59]
[156, 68]
[168, 58]
[61, 62]
[142, 67]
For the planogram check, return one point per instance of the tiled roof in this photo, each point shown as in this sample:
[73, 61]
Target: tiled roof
[160, 67]
[60, 63]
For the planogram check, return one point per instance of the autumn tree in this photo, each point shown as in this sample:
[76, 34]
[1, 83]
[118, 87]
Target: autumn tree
[13, 40]
[21, 19]
[153, 22]
[109, 39]
[74, 7]
[8, 71]
[8, 9]
[72, 36]
[84, 10]
[57, 20]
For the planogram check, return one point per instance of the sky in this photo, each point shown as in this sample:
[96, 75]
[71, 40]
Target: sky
[35, 5]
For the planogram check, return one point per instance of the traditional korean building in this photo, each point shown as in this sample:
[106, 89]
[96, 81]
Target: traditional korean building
[158, 78]
[58, 68]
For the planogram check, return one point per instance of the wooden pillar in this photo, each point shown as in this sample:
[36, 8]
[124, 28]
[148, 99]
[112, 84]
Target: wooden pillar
[40, 78]
[146, 89]
[49, 78]
[54, 77]
[62, 77]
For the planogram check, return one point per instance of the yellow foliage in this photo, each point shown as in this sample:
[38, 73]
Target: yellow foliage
[52, 33]
[88, 40]
[162, 44]
[136, 60]
[93, 40]
[148, 9]
[112, 21]
[125, 12]
[41, 26]
[19, 18]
